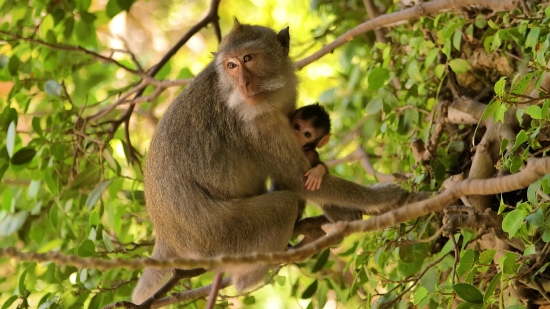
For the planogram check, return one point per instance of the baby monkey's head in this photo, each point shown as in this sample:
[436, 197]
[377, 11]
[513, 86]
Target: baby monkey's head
[311, 124]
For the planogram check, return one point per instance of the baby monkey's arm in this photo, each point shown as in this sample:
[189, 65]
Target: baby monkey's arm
[315, 174]
[315, 177]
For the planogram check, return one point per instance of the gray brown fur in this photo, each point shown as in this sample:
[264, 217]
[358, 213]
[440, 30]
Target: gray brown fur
[207, 167]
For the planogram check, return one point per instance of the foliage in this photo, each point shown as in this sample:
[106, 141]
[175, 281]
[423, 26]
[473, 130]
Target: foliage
[72, 182]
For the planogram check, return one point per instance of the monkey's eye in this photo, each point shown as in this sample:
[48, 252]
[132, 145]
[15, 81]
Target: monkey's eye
[247, 58]
[297, 127]
[231, 65]
[307, 134]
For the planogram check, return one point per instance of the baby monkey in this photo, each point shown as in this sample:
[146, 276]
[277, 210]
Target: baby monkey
[311, 125]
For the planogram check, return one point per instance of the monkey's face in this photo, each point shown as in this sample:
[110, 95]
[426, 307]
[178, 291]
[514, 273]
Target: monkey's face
[305, 132]
[254, 71]
[242, 67]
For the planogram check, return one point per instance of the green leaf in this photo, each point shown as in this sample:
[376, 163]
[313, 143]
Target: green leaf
[430, 57]
[310, 290]
[10, 139]
[481, 21]
[486, 257]
[421, 293]
[36, 126]
[468, 293]
[46, 25]
[497, 41]
[492, 287]
[534, 111]
[536, 218]
[520, 139]
[467, 305]
[547, 11]
[88, 17]
[86, 248]
[125, 4]
[52, 88]
[34, 186]
[500, 87]
[281, 280]
[439, 70]
[68, 26]
[96, 193]
[457, 39]
[508, 263]
[492, 24]
[377, 78]
[374, 106]
[112, 8]
[532, 37]
[23, 156]
[522, 84]
[466, 262]
[249, 300]
[414, 71]
[512, 222]
[83, 5]
[10, 301]
[50, 246]
[459, 65]
[21, 287]
[87, 177]
[11, 223]
[321, 261]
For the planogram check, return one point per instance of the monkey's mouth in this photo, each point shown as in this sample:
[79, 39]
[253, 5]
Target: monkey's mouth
[253, 99]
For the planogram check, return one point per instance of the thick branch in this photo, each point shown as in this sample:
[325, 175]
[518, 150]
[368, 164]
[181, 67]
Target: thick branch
[422, 9]
[535, 169]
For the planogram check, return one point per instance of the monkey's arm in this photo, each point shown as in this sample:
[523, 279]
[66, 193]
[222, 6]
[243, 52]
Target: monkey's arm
[374, 199]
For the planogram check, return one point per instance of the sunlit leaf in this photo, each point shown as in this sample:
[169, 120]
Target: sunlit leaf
[52, 88]
[534, 111]
[459, 65]
[10, 139]
[420, 294]
[11, 223]
[513, 221]
[486, 256]
[377, 78]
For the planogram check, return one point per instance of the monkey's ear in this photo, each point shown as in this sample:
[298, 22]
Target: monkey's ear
[284, 39]
[324, 140]
[214, 54]
[236, 24]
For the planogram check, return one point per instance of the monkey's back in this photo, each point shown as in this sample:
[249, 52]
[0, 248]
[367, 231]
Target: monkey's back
[192, 150]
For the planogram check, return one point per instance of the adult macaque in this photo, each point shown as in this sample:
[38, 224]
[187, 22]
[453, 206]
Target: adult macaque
[211, 153]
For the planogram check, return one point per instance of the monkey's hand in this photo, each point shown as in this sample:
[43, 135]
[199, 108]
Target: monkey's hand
[315, 177]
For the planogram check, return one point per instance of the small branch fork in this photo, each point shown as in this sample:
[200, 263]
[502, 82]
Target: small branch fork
[535, 169]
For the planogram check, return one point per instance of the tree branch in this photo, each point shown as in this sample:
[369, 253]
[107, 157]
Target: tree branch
[535, 169]
[422, 9]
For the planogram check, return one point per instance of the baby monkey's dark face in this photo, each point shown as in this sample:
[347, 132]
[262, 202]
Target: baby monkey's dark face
[308, 136]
